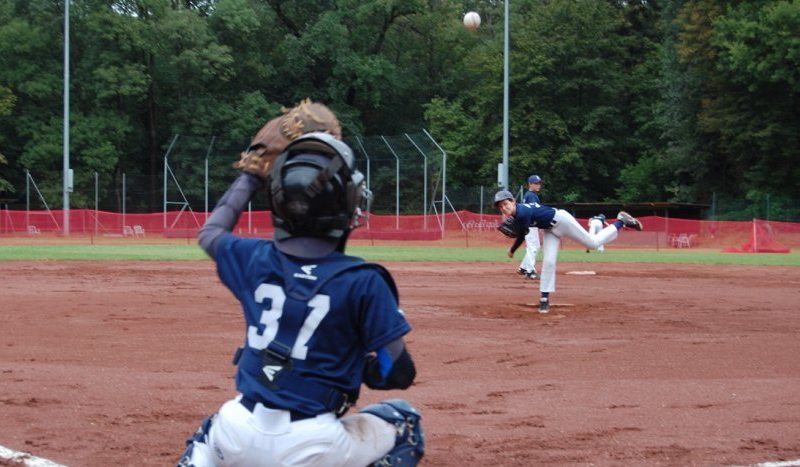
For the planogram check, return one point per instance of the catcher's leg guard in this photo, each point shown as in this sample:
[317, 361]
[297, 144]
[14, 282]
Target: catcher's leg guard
[199, 436]
[409, 445]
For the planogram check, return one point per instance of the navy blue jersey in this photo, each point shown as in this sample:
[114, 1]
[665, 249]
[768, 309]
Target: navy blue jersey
[534, 215]
[355, 311]
[531, 197]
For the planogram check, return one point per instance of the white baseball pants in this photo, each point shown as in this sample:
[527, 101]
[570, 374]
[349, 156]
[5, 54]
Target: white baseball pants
[567, 226]
[595, 226]
[531, 248]
[268, 437]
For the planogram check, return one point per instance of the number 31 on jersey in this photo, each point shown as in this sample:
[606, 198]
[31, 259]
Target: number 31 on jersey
[270, 318]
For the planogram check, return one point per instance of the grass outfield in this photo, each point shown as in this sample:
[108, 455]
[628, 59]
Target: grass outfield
[191, 252]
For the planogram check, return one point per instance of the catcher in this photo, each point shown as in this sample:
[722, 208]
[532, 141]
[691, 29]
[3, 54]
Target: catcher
[318, 323]
[555, 223]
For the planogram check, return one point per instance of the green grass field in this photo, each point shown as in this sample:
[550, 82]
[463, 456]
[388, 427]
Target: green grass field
[191, 252]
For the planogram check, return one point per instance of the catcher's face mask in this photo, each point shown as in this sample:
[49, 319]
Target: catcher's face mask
[315, 191]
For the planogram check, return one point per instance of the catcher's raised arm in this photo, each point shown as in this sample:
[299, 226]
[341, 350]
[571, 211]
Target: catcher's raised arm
[256, 162]
[305, 117]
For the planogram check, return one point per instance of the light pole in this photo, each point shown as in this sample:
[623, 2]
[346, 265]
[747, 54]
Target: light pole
[504, 171]
[67, 178]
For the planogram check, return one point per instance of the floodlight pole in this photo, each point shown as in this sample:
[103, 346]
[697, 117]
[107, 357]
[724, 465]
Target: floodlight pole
[67, 183]
[504, 175]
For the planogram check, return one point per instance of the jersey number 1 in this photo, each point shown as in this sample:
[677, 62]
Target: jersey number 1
[270, 318]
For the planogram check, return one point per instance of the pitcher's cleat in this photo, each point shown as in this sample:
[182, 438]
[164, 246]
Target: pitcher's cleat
[630, 221]
[544, 305]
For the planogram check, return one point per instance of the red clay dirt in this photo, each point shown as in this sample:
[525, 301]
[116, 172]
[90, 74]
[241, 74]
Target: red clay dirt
[117, 363]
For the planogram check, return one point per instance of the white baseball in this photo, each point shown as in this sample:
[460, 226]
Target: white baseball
[472, 20]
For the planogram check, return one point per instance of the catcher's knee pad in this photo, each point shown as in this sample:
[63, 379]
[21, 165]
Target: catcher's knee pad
[409, 445]
[199, 436]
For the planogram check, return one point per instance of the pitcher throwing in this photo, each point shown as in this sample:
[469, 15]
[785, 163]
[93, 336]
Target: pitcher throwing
[556, 223]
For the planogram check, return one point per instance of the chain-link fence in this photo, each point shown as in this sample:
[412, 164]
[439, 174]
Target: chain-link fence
[406, 173]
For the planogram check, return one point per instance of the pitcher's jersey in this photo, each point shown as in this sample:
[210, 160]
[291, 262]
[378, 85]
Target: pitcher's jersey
[355, 311]
[534, 215]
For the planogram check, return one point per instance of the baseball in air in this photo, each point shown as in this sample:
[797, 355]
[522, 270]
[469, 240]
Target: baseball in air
[472, 20]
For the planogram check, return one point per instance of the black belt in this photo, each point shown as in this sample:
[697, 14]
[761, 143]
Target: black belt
[250, 405]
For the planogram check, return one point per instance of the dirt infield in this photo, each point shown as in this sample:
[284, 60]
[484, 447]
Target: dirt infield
[116, 363]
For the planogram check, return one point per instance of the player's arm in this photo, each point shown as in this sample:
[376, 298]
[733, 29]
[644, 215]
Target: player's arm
[227, 211]
[517, 242]
[391, 367]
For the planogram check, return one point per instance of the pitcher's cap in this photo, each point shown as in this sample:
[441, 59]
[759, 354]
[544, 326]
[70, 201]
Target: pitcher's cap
[502, 195]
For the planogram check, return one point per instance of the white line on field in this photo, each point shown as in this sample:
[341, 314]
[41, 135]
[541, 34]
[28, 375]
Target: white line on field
[793, 463]
[29, 459]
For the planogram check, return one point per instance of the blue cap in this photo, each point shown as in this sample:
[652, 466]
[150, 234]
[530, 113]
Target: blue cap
[534, 179]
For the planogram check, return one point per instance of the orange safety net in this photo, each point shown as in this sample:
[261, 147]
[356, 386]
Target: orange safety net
[762, 241]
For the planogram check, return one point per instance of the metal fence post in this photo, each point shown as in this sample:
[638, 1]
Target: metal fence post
[424, 184]
[123, 203]
[396, 183]
[444, 178]
[96, 207]
[27, 198]
[166, 166]
[208, 153]
[358, 140]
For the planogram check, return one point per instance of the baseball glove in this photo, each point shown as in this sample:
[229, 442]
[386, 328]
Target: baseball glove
[510, 229]
[306, 117]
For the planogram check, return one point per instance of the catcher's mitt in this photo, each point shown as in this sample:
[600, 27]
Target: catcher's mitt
[306, 117]
[510, 229]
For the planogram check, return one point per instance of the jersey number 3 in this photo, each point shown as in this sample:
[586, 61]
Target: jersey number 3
[270, 318]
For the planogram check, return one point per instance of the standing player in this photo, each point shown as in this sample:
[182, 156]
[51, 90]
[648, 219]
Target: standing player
[596, 224]
[318, 323]
[528, 265]
[556, 223]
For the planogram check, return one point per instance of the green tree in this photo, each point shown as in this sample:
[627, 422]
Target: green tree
[758, 114]
[633, 100]
[6, 104]
[570, 94]
[30, 71]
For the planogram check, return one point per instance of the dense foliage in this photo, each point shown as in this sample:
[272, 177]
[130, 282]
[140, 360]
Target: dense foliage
[648, 100]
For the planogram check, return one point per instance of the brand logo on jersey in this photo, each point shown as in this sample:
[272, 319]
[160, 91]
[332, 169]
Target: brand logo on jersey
[271, 370]
[308, 272]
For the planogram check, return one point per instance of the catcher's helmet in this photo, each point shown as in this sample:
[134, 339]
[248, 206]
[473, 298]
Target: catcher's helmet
[315, 192]
[501, 195]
